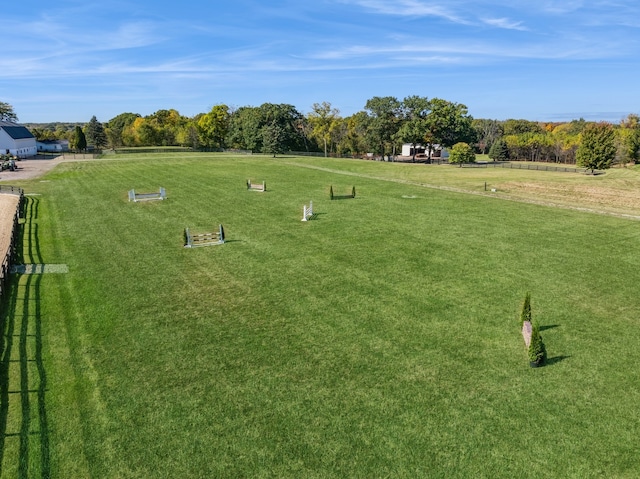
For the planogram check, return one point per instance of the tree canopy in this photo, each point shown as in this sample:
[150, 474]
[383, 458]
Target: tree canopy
[384, 114]
[324, 121]
[597, 148]
[413, 130]
[214, 126]
[7, 113]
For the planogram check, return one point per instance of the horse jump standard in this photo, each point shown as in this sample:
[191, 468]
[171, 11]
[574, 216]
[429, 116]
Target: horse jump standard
[257, 186]
[135, 197]
[203, 239]
[307, 213]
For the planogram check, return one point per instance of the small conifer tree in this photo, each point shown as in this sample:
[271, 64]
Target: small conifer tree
[537, 351]
[499, 150]
[525, 315]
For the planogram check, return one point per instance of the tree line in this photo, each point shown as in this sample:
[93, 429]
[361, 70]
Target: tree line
[381, 127]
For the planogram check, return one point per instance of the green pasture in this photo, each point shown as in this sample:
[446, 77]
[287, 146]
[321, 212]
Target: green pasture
[380, 339]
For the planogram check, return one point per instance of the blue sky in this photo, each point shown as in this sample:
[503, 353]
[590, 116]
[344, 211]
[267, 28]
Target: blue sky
[545, 60]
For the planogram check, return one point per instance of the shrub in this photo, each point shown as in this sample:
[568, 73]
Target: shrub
[461, 153]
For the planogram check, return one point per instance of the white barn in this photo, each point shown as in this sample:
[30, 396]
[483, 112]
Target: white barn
[16, 140]
[56, 146]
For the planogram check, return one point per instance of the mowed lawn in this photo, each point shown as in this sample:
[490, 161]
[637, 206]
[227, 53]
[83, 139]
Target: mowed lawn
[380, 339]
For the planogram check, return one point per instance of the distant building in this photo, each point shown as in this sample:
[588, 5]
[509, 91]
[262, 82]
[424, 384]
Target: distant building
[16, 140]
[437, 151]
[56, 146]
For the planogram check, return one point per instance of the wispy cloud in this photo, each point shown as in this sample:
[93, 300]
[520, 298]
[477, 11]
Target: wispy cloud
[339, 48]
[410, 8]
[504, 23]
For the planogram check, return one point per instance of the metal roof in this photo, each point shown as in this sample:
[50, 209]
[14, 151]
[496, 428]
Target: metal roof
[17, 132]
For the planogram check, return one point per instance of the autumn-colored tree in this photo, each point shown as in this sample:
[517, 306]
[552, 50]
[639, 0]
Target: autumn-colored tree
[461, 153]
[629, 139]
[597, 148]
[324, 121]
[354, 135]
[116, 129]
[214, 126]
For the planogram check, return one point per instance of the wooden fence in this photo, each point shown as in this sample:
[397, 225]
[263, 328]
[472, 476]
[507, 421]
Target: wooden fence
[9, 256]
[523, 166]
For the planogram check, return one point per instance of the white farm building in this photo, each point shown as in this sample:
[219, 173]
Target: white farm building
[436, 150]
[16, 140]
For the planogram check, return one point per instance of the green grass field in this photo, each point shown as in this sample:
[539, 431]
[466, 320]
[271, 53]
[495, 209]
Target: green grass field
[379, 340]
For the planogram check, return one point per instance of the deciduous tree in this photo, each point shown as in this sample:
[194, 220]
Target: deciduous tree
[324, 121]
[7, 113]
[487, 132]
[273, 139]
[461, 153]
[415, 110]
[214, 126]
[384, 122]
[449, 123]
[115, 129]
[597, 148]
[246, 124]
[629, 139]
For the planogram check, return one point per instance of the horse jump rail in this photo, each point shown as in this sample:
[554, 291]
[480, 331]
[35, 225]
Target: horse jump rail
[203, 239]
[342, 197]
[135, 197]
[257, 186]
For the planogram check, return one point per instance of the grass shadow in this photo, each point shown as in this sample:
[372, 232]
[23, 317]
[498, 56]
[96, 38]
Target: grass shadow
[550, 326]
[343, 197]
[555, 360]
[20, 350]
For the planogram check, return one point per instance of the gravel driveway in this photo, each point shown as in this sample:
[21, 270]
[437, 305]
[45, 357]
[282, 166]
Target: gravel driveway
[28, 169]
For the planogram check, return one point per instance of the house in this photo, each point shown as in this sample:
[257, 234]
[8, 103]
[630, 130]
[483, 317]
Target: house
[16, 140]
[437, 151]
[56, 146]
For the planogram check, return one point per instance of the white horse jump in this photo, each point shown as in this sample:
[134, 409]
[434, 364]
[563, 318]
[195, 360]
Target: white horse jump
[257, 186]
[307, 213]
[135, 197]
[203, 239]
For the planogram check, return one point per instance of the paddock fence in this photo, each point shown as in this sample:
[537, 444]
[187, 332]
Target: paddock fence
[9, 255]
[524, 166]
